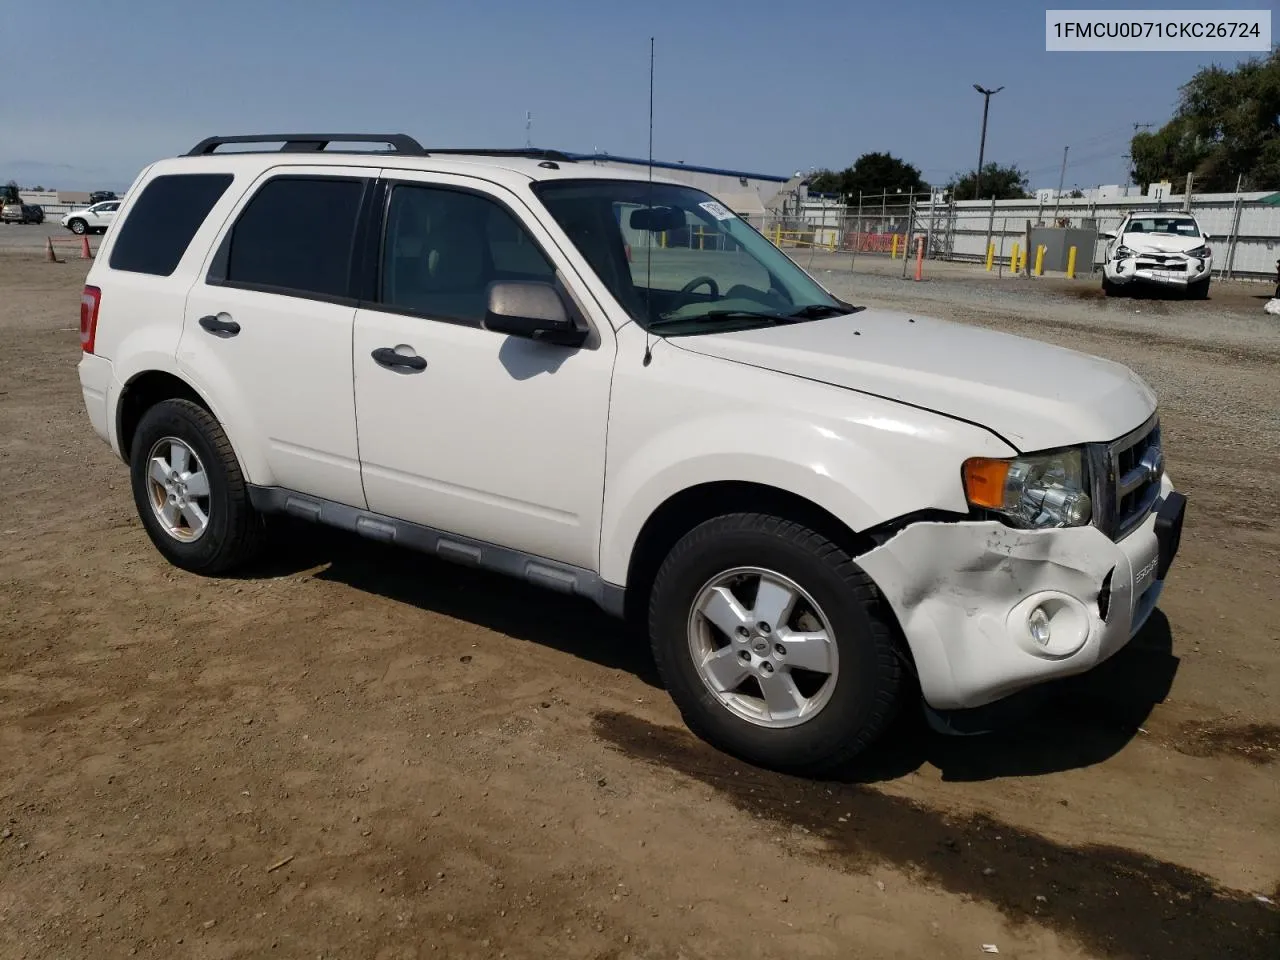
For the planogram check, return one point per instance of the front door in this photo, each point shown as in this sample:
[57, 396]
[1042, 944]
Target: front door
[490, 436]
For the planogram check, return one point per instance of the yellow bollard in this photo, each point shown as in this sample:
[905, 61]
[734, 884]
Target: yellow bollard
[1040, 260]
[893, 252]
[831, 243]
[663, 241]
[1013, 258]
[777, 235]
[991, 256]
[1071, 263]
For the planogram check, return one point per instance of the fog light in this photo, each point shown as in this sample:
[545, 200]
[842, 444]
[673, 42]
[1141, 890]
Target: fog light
[1038, 624]
[1050, 624]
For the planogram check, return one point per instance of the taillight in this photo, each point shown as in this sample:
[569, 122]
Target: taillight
[89, 301]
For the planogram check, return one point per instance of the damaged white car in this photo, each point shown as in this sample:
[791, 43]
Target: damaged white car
[1159, 250]
[616, 388]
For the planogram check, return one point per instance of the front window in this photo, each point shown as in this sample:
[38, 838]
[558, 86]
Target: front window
[680, 262]
[1168, 226]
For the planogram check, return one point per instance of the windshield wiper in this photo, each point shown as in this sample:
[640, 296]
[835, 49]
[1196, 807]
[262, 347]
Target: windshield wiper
[817, 310]
[724, 315]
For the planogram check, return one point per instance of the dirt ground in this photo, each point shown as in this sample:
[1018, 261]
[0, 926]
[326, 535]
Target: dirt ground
[357, 752]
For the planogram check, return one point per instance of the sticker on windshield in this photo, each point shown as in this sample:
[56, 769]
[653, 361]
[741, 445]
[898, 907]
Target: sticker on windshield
[717, 210]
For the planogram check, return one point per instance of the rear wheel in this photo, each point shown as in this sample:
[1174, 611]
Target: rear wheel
[190, 492]
[773, 643]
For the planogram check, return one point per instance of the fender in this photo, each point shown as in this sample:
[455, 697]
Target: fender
[225, 408]
[863, 459]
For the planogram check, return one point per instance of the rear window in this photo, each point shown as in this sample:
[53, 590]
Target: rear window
[296, 236]
[163, 220]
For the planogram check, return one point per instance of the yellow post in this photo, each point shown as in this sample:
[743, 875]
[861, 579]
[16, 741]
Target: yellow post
[777, 235]
[663, 241]
[831, 242]
[991, 256]
[1040, 260]
[1013, 258]
[1071, 263]
[893, 252]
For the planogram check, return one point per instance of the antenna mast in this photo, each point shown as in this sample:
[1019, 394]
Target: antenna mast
[648, 259]
[528, 129]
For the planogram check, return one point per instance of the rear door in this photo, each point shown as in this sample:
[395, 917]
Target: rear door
[268, 328]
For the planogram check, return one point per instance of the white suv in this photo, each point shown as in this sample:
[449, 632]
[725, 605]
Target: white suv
[1157, 249]
[525, 362]
[94, 219]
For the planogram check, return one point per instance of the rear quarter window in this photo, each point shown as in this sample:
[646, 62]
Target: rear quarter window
[165, 217]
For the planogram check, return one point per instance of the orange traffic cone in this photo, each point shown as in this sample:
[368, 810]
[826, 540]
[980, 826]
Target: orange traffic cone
[85, 252]
[48, 251]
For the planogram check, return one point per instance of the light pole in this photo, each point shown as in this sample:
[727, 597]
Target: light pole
[982, 144]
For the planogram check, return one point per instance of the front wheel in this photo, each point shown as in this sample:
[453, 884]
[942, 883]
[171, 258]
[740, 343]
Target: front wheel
[189, 490]
[78, 227]
[773, 643]
[1199, 290]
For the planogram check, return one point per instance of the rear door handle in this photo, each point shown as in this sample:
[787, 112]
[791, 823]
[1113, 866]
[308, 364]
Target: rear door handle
[387, 357]
[219, 327]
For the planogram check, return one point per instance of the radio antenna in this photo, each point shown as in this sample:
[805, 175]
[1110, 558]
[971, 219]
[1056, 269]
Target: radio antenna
[648, 259]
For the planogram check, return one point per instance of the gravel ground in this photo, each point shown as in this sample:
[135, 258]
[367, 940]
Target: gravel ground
[353, 751]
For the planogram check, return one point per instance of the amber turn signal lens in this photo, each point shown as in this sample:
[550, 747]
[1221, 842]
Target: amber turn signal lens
[984, 482]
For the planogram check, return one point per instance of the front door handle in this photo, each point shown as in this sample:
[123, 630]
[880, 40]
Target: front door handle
[387, 357]
[219, 327]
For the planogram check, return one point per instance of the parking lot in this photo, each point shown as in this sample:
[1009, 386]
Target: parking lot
[360, 752]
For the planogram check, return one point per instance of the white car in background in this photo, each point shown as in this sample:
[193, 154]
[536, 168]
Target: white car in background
[1160, 249]
[94, 219]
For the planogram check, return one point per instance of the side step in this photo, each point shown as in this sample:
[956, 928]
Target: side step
[549, 574]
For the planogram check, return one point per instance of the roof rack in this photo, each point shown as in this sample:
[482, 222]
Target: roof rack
[399, 143]
[533, 153]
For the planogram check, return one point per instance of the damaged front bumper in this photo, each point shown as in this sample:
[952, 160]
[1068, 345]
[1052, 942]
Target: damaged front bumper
[1171, 270]
[966, 596]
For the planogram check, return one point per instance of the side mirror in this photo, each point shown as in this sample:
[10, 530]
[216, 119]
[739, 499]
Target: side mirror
[533, 311]
[1106, 235]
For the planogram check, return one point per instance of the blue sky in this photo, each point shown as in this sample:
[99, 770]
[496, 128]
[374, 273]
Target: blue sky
[95, 91]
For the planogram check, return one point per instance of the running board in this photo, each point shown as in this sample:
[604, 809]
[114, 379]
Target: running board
[549, 574]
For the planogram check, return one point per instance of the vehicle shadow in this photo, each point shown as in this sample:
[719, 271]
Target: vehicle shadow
[573, 625]
[1076, 722]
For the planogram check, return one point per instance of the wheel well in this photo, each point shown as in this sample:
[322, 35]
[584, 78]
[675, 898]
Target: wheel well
[141, 394]
[685, 510]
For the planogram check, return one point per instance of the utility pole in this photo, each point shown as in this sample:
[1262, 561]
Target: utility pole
[1062, 176]
[528, 129]
[982, 143]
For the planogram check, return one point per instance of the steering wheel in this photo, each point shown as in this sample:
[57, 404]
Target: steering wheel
[696, 282]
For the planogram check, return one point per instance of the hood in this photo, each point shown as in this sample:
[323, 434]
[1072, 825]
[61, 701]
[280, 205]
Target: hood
[1143, 242]
[1033, 394]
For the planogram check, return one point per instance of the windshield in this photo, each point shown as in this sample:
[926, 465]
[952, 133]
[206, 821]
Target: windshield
[1175, 226]
[679, 261]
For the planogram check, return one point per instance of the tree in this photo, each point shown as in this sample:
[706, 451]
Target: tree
[1003, 183]
[871, 173]
[1226, 126]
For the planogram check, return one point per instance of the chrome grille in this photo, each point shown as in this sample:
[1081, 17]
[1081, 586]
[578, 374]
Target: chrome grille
[1128, 477]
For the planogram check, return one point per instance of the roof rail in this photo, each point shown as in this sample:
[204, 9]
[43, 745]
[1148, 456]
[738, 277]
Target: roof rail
[533, 153]
[399, 143]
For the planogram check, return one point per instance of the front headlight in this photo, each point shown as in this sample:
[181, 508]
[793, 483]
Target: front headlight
[1200, 253]
[1036, 491]
[1123, 253]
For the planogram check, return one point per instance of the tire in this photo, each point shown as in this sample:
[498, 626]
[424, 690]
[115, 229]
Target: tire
[1199, 290]
[853, 705]
[78, 227]
[233, 532]
[1109, 289]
